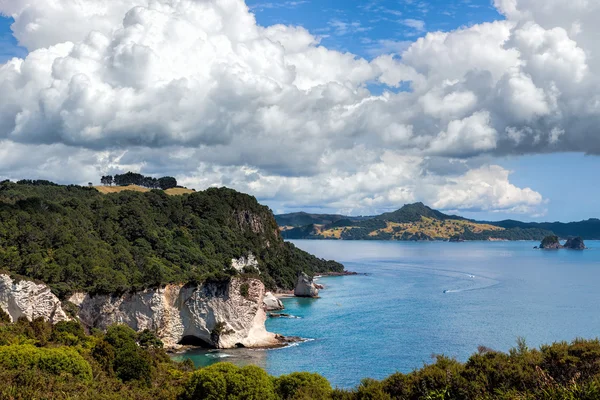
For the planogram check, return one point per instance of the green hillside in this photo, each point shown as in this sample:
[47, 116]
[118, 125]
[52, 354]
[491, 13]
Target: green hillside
[413, 222]
[75, 238]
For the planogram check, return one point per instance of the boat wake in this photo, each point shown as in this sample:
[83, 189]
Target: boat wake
[470, 280]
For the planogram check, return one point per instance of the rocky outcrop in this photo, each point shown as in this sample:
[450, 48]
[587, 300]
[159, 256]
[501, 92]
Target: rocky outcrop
[218, 315]
[575, 244]
[245, 262]
[272, 303]
[550, 243]
[305, 287]
[30, 300]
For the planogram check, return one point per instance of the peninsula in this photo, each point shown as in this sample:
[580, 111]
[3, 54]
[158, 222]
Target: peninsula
[418, 222]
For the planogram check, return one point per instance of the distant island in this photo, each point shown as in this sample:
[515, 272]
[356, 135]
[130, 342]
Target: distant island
[553, 243]
[418, 222]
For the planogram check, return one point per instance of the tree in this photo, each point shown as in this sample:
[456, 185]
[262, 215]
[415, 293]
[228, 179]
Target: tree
[107, 180]
[167, 182]
[130, 178]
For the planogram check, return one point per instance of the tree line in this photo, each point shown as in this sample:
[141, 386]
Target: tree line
[132, 178]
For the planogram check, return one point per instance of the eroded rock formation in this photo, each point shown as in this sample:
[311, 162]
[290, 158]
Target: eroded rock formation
[272, 303]
[30, 300]
[305, 287]
[214, 314]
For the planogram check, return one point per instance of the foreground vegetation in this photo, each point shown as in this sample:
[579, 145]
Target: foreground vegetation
[74, 238]
[41, 361]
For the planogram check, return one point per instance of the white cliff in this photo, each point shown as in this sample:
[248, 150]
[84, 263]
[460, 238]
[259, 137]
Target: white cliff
[221, 315]
[272, 303]
[31, 300]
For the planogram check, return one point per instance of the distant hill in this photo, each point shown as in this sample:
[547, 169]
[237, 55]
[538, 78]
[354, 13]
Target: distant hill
[418, 222]
[588, 230]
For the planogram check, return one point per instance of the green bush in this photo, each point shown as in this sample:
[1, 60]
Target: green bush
[303, 385]
[227, 382]
[51, 360]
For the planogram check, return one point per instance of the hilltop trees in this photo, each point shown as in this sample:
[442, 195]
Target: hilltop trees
[132, 178]
[107, 180]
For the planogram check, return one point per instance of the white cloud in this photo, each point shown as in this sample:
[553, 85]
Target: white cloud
[133, 79]
[416, 24]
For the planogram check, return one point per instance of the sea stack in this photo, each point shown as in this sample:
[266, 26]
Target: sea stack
[575, 244]
[305, 287]
[550, 243]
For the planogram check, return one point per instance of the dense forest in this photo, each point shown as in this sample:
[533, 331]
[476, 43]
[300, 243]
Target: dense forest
[77, 239]
[41, 361]
[412, 222]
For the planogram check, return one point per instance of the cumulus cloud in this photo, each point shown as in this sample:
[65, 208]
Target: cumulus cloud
[198, 88]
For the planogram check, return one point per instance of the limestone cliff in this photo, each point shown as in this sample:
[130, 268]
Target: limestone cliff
[219, 315]
[216, 314]
[30, 300]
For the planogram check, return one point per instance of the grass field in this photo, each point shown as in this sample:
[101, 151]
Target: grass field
[135, 188]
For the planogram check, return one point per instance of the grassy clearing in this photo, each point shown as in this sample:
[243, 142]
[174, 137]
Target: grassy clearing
[136, 188]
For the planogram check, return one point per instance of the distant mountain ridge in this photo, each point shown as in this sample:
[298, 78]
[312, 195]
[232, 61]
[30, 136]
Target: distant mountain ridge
[418, 222]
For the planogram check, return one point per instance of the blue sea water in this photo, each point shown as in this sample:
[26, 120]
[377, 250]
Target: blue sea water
[420, 299]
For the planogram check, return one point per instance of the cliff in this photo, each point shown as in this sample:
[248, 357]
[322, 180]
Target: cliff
[76, 239]
[213, 314]
[30, 300]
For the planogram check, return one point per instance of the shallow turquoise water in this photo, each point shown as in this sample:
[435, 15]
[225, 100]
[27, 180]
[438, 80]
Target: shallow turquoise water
[397, 316]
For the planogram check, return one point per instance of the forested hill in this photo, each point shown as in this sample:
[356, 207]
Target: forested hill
[411, 222]
[75, 238]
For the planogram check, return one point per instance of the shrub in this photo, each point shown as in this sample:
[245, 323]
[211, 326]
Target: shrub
[227, 382]
[55, 361]
[244, 290]
[303, 385]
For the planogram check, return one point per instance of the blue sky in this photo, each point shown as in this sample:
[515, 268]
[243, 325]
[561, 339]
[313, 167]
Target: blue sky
[568, 181]
[359, 26]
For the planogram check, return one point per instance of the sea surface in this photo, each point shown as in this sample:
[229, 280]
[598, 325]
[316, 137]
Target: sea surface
[421, 299]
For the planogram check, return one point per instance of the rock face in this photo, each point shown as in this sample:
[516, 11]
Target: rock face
[30, 300]
[219, 315]
[575, 244]
[272, 303]
[305, 287]
[244, 262]
[550, 243]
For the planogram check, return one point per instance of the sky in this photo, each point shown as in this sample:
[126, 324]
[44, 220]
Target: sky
[488, 109]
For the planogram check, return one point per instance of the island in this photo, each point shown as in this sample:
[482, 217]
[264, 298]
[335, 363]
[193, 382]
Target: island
[552, 242]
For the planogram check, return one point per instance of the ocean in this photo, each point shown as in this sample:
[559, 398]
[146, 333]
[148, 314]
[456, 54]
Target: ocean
[420, 299]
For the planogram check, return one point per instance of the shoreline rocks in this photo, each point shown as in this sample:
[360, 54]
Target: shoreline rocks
[305, 287]
[272, 303]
